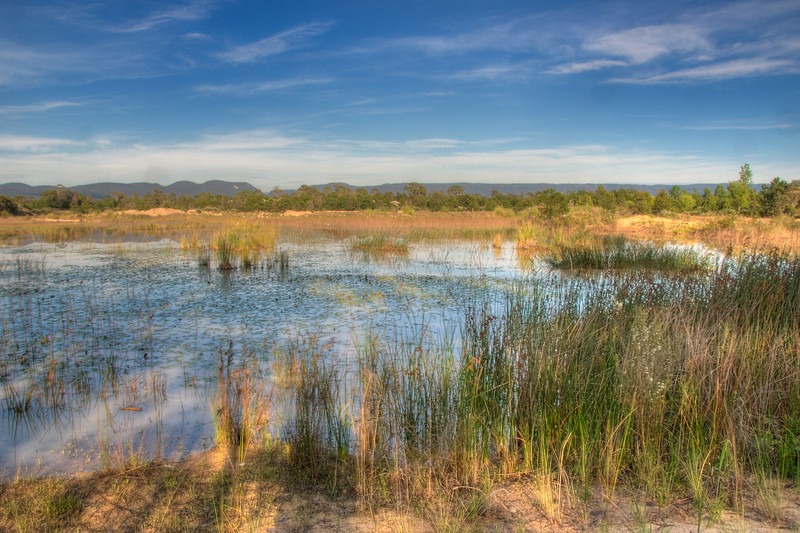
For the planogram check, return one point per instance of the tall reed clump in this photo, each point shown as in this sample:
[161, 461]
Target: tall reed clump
[225, 256]
[245, 241]
[379, 245]
[675, 389]
[617, 253]
[683, 389]
[241, 403]
[315, 405]
[406, 420]
[204, 256]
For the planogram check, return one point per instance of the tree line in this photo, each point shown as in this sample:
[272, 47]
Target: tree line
[739, 196]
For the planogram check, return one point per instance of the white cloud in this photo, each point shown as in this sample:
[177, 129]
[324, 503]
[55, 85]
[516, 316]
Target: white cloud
[23, 65]
[585, 66]
[268, 158]
[646, 43]
[24, 143]
[243, 140]
[249, 88]
[276, 44]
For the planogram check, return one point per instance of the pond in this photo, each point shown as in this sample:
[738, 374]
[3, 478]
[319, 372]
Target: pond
[113, 350]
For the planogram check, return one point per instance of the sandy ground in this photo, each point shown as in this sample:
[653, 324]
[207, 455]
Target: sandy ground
[211, 492]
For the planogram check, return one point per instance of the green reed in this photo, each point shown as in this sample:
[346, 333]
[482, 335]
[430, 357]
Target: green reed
[617, 253]
[677, 389]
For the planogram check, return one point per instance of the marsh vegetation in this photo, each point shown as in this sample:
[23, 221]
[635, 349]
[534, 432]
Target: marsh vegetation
[661, 374]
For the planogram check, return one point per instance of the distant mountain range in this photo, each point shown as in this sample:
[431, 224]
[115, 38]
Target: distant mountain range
[228, 188]
[485, 189]
[101, 190]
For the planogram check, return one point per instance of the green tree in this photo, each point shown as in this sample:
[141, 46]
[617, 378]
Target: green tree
[723, 200]
[455, 190]
[662, 202]
[742, 197]
[553, 205]
[58, 198]
[746, 175]
[9, 206]
[417, 193]
[773, 198]
[709, 201]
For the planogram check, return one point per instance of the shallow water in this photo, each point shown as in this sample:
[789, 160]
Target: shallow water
[109, 350]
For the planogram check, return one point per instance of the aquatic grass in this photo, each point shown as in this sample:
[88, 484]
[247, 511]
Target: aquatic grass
[379, 244]
[617, 253]
[624, 384]
[241, 404]
[531, 236]
[317, 425]
[204, 256]
[278, 263]
[225, 256]
[21, 398]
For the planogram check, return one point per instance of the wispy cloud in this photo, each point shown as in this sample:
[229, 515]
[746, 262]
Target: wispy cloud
[24, 143]
[197, 36]
[46, 64]
[737, 68]
[585, 66]
[496, 72]
[36, 108]
[182, 13]
[249, 88]
[738, 127]
[243, 141]
[522, 34]
[645, 43]
[279, 43]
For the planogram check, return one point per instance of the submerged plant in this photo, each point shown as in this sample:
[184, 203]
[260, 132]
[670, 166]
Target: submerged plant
[204, 256]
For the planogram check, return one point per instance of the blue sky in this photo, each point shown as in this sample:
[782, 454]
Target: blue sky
[284, 93]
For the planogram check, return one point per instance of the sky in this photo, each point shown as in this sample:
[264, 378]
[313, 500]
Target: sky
[285, 93]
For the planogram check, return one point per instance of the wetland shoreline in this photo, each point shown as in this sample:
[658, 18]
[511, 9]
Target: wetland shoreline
[460, 376]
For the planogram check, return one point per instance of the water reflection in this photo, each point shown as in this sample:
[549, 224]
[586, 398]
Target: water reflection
[109, 350]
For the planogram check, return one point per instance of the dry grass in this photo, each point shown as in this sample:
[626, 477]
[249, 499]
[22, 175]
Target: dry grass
[579, 226]
[210, 492]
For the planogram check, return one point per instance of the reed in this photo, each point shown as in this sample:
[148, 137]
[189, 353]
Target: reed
[617, 253]
[204, 256]
[225, 256]
[379, 243]
[618, 381]
[241, 403]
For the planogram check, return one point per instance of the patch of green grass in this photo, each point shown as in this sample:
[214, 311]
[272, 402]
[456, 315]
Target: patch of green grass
[379, 243]
[616, 253]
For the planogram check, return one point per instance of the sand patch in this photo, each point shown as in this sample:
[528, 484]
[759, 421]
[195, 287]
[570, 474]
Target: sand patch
[644, 221]
[157, 212]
